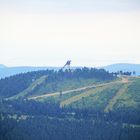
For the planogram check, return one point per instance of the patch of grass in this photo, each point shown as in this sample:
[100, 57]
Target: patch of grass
[131, 99]
[60, 98]
[93, 98]
[31, 88]
[113, 101]
[79, 97]
[62, 85]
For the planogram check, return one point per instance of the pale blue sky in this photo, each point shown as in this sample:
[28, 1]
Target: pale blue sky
[90, 32]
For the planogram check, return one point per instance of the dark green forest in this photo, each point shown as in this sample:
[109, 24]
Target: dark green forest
[45, 128]
[34, 120]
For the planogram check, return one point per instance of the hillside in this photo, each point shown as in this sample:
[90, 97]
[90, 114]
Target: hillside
[119, 95]
[55, 80]
[13, 85]
[123, 67]
[79, 104]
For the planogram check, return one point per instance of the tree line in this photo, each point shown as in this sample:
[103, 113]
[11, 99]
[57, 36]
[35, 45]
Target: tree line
[13, 85]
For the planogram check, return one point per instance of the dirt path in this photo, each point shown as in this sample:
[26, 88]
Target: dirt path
[125, 79]
[78, 89]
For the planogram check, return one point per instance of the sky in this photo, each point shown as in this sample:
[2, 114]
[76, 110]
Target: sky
[88, 32]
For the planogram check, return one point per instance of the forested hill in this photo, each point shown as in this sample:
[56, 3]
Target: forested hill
[81, 104]
[15, 84]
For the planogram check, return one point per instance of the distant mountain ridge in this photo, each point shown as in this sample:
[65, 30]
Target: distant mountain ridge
[2, 66]
[124, 67]
[9, 71]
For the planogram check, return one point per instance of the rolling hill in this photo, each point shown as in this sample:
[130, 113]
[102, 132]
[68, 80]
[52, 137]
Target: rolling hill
[2, 66]
[123, 67]
[10, 71]
[82, 104]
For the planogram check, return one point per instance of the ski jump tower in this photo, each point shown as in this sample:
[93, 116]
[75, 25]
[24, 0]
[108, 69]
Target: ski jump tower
[67, 65]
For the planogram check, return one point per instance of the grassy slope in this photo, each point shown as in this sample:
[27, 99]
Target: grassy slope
[63, 85]
[80, 96]
[109, 97]
[132, 97]
[40, 86]
[27, 91]
[118, 95]
[93, 99]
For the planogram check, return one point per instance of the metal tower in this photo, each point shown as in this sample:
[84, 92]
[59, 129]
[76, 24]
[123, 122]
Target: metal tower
[67, 65]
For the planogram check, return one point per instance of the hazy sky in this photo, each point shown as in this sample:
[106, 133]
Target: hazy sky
[89, 32]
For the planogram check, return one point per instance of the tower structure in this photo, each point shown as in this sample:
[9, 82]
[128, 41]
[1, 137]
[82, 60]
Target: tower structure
[67, 65]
